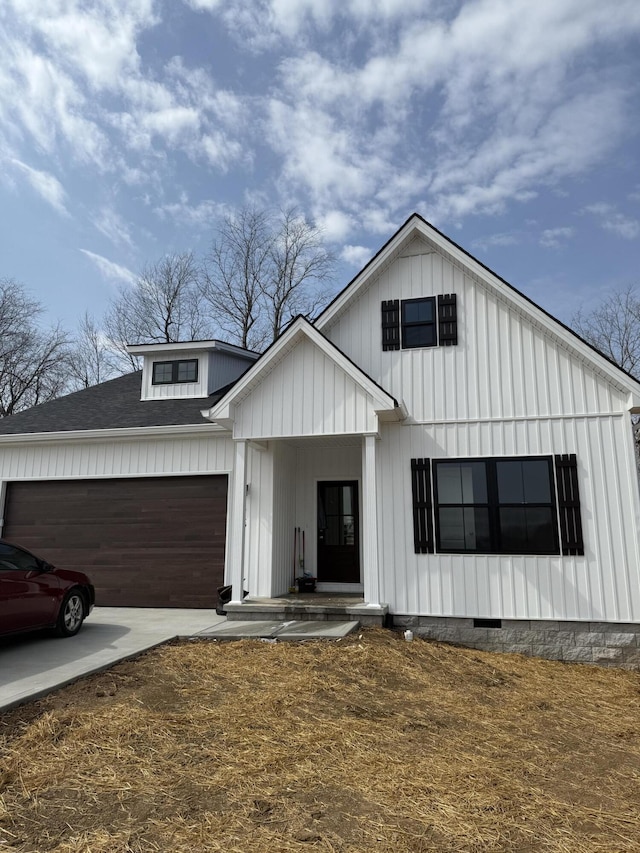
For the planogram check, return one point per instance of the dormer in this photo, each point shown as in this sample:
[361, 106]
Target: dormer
[190, 368]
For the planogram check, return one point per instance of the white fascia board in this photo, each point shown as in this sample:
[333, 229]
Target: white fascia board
[200, 346]
[111, 434]
[416, 226]
[221, 411]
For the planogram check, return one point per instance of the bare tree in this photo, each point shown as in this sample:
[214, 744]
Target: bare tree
[161, 307]
[613, 327]
[299, 270]
[233, 275]
[263, 269]
[33, 361]
[91, 357]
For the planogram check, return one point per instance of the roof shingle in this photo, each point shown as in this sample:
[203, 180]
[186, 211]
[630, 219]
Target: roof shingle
[115, 404]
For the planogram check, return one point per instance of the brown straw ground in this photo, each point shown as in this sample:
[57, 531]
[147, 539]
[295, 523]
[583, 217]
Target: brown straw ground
[368, 744]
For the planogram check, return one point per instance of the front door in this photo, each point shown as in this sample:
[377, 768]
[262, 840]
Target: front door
[338, 532]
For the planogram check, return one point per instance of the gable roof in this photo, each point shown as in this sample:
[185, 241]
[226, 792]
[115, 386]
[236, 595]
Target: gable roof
[298, 328]
[114, 404]
[417, 226]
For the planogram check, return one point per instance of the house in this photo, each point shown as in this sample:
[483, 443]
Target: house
[452, 453]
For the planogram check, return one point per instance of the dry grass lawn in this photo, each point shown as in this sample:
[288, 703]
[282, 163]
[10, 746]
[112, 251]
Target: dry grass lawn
[369, 744]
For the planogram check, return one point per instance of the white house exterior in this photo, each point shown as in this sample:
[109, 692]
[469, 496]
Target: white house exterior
[451, 452]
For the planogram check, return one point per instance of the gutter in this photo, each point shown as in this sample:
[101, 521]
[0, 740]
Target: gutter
[167, 431]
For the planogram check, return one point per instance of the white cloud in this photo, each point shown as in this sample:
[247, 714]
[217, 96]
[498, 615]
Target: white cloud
[335, 225]
[73, 74]
[204, 5]
[45, 184]
[357, 256]
[361, 111]
[613, 221]
[109, 222]
[110, 270]
[265, 23]
[499, 87]
[203, 215]
[99, 42]
[553, 238]
[502, 239]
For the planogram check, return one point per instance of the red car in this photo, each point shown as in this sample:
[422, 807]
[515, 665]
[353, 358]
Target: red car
[34, 594]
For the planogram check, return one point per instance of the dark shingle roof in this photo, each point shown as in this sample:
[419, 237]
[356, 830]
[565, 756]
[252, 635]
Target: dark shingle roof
[110, 405]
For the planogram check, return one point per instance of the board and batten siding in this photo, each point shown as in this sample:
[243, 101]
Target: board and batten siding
[305, 394]
[132, 457]
[284, 516]
[503, 366]
[602, 585]
[259, 532]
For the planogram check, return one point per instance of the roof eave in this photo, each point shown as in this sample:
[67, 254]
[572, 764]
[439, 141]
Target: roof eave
[111, 433]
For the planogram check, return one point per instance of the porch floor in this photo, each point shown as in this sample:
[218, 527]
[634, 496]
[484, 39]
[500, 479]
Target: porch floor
[316, 606]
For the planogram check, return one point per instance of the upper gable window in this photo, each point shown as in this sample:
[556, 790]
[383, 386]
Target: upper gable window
[175, 372]
[418, 322]
[424, 322]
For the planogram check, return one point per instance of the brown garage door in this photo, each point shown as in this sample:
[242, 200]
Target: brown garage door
[153, 542]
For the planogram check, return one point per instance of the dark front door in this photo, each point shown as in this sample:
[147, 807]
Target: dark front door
[338, 532]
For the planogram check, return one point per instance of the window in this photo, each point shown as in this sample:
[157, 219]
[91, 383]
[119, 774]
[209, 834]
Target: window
[413, 323]
[418, 322]
[173, 372]
[15, 559]
[495, 506]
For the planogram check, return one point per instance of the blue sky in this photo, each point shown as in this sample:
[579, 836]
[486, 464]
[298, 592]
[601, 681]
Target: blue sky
[129, 127]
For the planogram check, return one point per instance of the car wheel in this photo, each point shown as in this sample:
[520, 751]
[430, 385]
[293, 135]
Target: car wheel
[71, 614]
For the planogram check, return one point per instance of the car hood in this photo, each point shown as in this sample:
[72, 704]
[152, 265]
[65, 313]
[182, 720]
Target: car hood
[69, 575]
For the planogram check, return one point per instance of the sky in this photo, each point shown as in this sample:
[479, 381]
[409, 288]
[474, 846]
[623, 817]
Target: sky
[128, 128]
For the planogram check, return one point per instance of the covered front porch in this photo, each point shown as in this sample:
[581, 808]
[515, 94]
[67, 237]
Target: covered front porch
[308, 510]
[304, 479]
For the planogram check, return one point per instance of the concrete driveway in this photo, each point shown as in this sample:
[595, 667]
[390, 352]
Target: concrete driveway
[34, 664]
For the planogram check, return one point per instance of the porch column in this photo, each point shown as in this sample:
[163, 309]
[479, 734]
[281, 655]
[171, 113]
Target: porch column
[370, 564]
[236, 530]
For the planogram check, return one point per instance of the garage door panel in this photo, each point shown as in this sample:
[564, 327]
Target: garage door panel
[145, 542]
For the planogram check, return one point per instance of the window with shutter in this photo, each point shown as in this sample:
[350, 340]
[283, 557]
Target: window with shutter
[504, 505]
[418, 318]
[391, 324]
[571, 540]
[417, 323]
[447, 320]
[422, 508]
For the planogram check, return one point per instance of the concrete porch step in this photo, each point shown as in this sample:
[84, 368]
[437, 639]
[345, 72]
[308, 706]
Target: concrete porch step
[303, 610]
[290, 630]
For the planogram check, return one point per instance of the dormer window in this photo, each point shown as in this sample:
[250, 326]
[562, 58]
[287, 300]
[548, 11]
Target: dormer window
[175, 372]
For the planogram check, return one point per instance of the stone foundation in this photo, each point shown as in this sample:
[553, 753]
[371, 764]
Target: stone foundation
[603, 643]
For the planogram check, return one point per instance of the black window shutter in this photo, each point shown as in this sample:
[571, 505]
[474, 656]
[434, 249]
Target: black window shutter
[447, 320]
[422, 518]
[571, 541]
[391, 324]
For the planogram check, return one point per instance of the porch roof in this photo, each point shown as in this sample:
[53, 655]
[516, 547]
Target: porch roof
[304, 385]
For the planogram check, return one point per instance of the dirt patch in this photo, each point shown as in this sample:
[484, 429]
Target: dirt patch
[367, 744]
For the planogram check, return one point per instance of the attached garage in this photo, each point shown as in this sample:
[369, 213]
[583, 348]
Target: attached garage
[145, 542]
